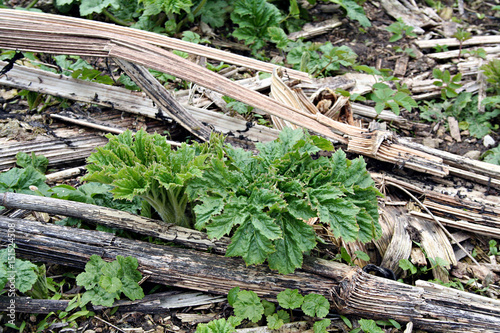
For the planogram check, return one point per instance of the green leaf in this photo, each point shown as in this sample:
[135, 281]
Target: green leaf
[153, 7]
[290, 299]
[248, 305]
[278, 36]
[346, 321]
[478, 130]
[369, 325]
[354, 11]
[274, 322]
[110, 284]
[25, 181]
[104, 282]
[264, 200]
[254, 17]
[144, 166]
[315, 305]
[214, 13]
[284, 315]
[362, 255]
[25, 275]
[213, 206]
[269, 308]
[232, 295]
[405, 265]
[250, 244]
[216, 326]
[341, 216]
[90, 277]
[39, 162]
[235, 213]
[297, 238]
[10, 179]
[88, 7]
[321, 326]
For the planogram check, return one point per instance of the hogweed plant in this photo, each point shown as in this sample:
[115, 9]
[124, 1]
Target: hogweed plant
[263, 201]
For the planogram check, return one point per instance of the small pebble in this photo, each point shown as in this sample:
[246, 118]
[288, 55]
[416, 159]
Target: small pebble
[473, 154]
[488, 141]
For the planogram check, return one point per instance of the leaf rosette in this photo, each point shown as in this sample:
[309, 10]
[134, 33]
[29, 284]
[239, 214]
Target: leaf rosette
[264, 201]
[145, 166]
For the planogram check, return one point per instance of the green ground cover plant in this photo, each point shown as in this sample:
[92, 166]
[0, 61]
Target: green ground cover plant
[105, 281]
[25, 271]
[28, 179]
[399, 30]
[248, 306]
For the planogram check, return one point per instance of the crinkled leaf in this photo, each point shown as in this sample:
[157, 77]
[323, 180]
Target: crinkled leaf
[153, 7]
[39, 162]
[248, 305]
[131, 288]
[88, 7]
[25, 275]
[105, 281]
[99, 296]
[243, 161]
[250, 244]
[284, 315]
[324, 194]
[366, 200]
[209, 207]
[216, 326]
[265, 224]
[300, 208]
[315, 305]
[341, 214]
[356, 174]
[90, 278]
[130, 182]
[290, 299]
[274, 322]
[321, 326]
[235, 213]
[278, 36]
[111, 284]
[297, 237]
[214, 13]
[218, 180]
[269, 308]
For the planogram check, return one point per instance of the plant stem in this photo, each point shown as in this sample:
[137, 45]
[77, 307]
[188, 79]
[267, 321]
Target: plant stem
[195, 12]
[114, 19]
[31, 4]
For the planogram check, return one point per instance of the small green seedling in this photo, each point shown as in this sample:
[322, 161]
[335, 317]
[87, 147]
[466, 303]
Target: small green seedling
[462, 36]
[448, 83]
[399, 30]
[494, 250]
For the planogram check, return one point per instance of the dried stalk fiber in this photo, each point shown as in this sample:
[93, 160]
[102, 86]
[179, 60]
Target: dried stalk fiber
[350, 289]
[38, 32]
[28, 31]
